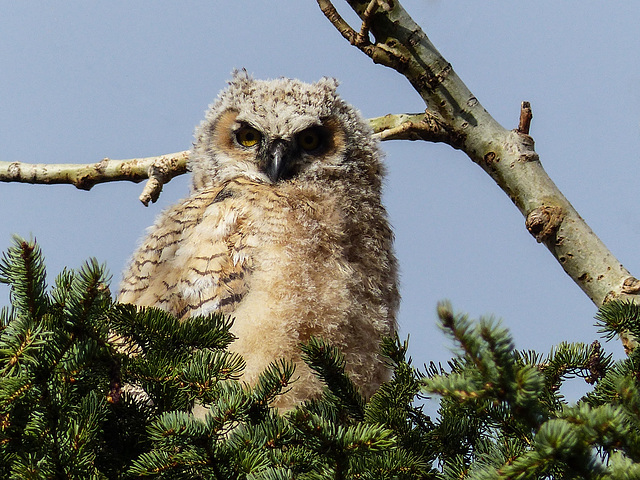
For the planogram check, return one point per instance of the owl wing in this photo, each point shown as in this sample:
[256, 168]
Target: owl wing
[194, 260]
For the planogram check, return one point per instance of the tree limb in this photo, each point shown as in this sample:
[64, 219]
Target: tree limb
[159, 170]
[417, 126]
[508, 156]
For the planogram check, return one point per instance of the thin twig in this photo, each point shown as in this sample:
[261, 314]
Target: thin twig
[337, 21]
[362, 36]
[377, 54]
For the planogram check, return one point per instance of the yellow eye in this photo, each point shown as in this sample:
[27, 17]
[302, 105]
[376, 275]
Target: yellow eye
[310, 139]
[248, 136]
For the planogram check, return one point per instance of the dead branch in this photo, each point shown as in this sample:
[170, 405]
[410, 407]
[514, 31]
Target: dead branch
[525, 118]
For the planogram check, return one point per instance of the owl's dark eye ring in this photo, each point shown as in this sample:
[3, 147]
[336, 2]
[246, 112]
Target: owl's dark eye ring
[312, 139]
[248, 137]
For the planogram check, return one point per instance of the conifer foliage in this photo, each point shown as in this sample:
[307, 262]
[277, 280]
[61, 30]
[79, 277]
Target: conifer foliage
[90, 388]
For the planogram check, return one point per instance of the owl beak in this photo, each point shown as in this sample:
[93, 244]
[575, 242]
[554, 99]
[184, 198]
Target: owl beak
[277, 160]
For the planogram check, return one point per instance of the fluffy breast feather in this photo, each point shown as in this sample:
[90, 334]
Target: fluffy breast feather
[278, 260]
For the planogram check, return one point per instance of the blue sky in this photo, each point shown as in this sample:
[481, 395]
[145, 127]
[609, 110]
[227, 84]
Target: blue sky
[84, 80]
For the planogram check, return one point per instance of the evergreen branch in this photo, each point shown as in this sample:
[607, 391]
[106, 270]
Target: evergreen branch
[341, 445]
[212, 331]
[461, 329]
[365, 438]
[619, 376]
[618, 317]
[490, 379]
[568, 360]
[79, 435]
[186, 463]
[22, 268]
[272, 474]
[270, 435]
[89, 292]
[20, 344]
[12, 389]
[227, 409]
[392, 405]
[621, 466]
[391, 348]
[142, 329]
[608, 426]
[62, 288]
[558, 444]
[206, 367]
[273, 381]
[173, 429]
[328, 363]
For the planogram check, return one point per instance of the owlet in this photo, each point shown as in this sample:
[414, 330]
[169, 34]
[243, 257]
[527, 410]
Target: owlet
[284, 230]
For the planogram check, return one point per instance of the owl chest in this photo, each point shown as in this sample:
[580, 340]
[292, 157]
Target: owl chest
[272, 255]
[296, 238]
[299, 274]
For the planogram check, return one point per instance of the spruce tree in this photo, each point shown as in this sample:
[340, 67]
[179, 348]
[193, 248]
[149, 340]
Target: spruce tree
[90, 388]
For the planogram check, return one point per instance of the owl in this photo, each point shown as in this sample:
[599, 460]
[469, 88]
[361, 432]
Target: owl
[283, 230]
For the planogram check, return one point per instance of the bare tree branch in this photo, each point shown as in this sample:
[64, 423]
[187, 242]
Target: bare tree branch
[362, 37]
[159, 170]
[417, 126]
[354, 38]
[456, 117]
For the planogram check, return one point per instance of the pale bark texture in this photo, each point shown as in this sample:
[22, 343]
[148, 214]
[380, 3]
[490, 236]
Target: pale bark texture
[158, 170]
[508, 156]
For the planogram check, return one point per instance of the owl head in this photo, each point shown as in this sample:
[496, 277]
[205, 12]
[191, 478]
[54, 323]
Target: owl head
[283, 130]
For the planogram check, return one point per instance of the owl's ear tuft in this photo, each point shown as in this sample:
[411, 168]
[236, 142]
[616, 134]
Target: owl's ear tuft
[330, 84]
[240, 76]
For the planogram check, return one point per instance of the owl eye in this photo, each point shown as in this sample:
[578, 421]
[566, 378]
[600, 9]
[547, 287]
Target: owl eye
[248, 136]
[310, 139]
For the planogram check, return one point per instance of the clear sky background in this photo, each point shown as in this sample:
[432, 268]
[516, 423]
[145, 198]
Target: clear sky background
[81, 80]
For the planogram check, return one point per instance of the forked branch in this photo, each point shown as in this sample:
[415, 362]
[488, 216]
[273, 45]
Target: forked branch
[456, 117]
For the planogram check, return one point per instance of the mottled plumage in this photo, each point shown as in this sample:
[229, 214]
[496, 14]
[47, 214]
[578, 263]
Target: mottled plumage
[284, 230]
